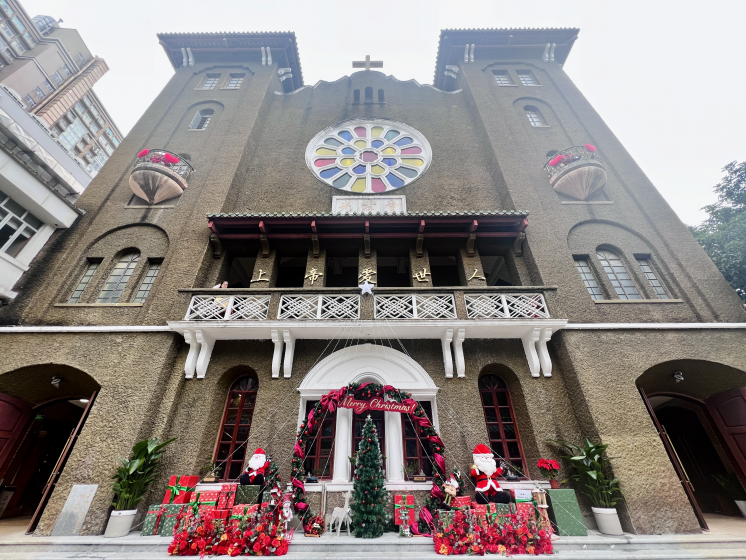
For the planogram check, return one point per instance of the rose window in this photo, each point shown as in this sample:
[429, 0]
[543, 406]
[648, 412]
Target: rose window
[368, 156]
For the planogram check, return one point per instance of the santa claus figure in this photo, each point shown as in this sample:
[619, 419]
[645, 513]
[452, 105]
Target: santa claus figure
[486, 471]
[258, 465]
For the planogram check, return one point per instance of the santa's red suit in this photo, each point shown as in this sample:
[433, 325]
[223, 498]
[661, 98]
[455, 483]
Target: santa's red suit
[256, 470]
[486, 471]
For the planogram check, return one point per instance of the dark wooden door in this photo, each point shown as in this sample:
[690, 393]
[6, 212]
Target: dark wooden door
[14, 416]
[728, 411]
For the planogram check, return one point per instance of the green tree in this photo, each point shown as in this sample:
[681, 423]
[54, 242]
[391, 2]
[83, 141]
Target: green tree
[723, 233]
[369, 487]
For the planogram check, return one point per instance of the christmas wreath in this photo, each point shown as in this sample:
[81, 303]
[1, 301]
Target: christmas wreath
[314, 526]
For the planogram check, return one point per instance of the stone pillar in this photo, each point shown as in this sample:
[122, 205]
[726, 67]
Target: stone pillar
[420, 265]
[342, 445]
[470, 268]
[317, 264]
[265, 268]
[394, 452]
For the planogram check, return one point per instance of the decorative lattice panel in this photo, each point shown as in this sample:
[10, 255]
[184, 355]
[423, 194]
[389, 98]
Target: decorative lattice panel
[231, 308]
[419, 306]
[340, 307]
[299, 307]
[435, 306]
[249, 308]
[207, 308]
[395, 307]
[319, 307]
[506, 306]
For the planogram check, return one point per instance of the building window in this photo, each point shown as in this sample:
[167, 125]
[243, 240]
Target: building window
[147, 282]
[381, 98]
[211, 80]
[418, 454]
[29, 40]
[81, 58]
[5, 50]
[589, 279]
[618, 275]
[236, 426]
[201, 119]
[95, 127]
[73, 134]
[18, 24]
[649, 272]
[534, 116]
[110, 134]
[49, 86]
[320, 448]
[358, 421]
[118, 278]
[18, 46]
[527, 78]
[356, 96]
[57, 77]
[235, 81]
[6, 8]
[369, 95]
[39, 93]
[501, 427]
[79, 108]
[29, 101]
[17, 225]
[66, 70]
[84, 281]
[55, 131]
[502, 78]
[6, 30]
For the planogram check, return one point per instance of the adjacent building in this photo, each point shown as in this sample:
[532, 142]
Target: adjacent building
[529, 284]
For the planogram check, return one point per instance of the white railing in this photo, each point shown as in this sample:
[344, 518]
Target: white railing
[228, 308]
[415, 306]
[319, 307]
[506, 306]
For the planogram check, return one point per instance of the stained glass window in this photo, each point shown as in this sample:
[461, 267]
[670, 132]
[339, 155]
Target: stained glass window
[368, 156]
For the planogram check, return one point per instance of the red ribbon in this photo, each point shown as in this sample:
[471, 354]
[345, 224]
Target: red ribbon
[387, 388]
[298, 484]
[298, 450]
[436, 440]
[436, 492]
[329, 401]
[422, 421]
[301, 506]
[427, 517]
[441, 462]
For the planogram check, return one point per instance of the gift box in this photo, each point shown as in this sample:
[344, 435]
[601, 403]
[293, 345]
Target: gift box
[461, 502]
[403, 509]
[241, 512]
[203, 509]
[180, 489]
[526, 510]
[207, 498]
[222, 514]
[152, 522]
[480, 511]
[445, 518]
[169, 518]
[227, 496]
[566, 513]
[248, 494]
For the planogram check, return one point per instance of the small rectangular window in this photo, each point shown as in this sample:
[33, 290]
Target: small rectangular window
[534, 118]
[527, 78]
[39, 93]
[94, 126]
[6, 8]
[210, 81]
[29, 40]
[649, 272]
[502, 78]
[79, 108]
[29, 101]
[18, 46]
[84, 281]
[235, 81]
[88, 119]
[66, 70]
[6, 30]
[586, 274]
[49, 86]
[18, 24]
[87, 100]
[17, 226]
[81, 58]
[110, 134]
[55, 131]
[57, 77]
[147, 282]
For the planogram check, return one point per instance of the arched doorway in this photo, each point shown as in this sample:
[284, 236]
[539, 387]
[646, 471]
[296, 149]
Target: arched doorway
[699, 411]
[42, 411]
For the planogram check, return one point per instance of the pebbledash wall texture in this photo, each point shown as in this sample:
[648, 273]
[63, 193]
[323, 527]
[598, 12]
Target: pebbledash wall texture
[500, 108]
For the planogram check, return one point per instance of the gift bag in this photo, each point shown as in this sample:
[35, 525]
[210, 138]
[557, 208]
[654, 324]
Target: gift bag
[180, 489]
[403, 509]
[169, 519]
[247, 494]
[152, 522]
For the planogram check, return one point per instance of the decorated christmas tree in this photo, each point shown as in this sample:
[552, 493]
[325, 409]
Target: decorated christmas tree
[369, 487]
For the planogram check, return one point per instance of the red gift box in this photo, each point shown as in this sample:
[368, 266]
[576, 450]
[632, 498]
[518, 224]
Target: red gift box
[227, 496]
[403, 502]
[525, 510]
[205, 509]
[180, 488]
[461, 502]
[208, 498]
[480, 510]
[222, 513]
[241, 511]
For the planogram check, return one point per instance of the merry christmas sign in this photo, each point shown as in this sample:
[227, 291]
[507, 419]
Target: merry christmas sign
[376, 403]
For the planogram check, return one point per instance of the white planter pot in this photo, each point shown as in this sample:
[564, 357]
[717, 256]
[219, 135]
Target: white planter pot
[120, 523]
[607, 520]
[742, 506]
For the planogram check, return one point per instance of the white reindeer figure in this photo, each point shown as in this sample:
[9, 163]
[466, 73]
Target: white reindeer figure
[342, 515]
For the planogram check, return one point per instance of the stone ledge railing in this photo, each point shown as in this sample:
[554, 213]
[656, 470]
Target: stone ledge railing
[341, 306]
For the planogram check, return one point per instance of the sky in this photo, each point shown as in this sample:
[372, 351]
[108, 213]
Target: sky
[666, 76]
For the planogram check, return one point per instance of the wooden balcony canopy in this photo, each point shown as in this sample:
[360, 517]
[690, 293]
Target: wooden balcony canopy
[498, 223]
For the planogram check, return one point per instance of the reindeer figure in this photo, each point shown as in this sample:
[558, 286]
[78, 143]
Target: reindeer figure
[342, 515]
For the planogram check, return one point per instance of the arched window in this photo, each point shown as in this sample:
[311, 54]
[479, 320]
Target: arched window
[201, 119]
[618, 276]
[236, 426]
[320, 448]
[534, 116]
[369, 95]
[118, 277]
[501, 427]
[356, 96]
[381, 98]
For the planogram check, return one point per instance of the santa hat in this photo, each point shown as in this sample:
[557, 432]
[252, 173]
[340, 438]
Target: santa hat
[259, 451]
[482, 449]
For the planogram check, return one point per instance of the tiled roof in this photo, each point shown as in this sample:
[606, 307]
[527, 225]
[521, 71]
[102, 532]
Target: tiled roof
[368, 214]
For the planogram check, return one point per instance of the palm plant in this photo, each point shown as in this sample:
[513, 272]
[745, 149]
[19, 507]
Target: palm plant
[589, 468]
[133, 478]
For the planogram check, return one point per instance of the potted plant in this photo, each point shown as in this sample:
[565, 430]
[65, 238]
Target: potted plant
[589, 468]
[210, 473]
[732, 486]
[131, 482]
[549, 468]
[314, 527]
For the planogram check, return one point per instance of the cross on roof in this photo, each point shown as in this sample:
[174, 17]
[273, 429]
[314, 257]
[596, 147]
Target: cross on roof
[367, 63]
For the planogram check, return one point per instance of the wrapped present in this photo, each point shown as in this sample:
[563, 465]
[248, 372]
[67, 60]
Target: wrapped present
[208, 498]
[461, 502]
[227, 496]
[566, 512]
[152, 522]
[480, 510]
[248, 494]
[180, 489]
[222, 514]
[445, 518]
[403, 509]
[170, 519]
[240, 512]
[205, 508]
[526, 510]
[495, 511]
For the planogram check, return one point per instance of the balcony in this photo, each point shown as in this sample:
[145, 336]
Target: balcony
[285, 315]
[159, 175]
[577, 171]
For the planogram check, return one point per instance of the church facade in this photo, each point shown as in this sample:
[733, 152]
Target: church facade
[521, 278]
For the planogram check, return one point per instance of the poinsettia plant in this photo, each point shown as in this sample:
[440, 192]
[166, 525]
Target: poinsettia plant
[549, 468]
[315, 526]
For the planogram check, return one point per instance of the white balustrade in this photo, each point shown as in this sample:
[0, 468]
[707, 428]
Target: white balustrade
[506, 306]
[319, 307]
[228, 308]
[415, 306]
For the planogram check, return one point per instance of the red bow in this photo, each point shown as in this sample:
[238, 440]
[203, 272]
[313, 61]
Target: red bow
[298, 484]
[436, 492]
[387, 388]
[301, 506]
[436, 440]
[422, 421]
[329, 401]
[298, 450]
[427, 517]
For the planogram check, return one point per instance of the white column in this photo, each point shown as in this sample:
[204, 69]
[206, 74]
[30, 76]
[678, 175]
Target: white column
[394, 452]
[342, 445]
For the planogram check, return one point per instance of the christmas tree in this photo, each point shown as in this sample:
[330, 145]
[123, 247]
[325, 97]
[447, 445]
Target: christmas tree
[369, 487]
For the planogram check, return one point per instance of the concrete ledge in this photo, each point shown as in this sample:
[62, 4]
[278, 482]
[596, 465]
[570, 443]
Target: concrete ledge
[602, 301]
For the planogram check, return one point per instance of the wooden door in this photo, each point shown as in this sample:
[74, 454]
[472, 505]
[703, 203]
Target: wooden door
[728, 411]
[14, 416]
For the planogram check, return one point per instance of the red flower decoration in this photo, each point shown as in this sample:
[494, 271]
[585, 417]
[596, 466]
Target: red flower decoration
[143, 153]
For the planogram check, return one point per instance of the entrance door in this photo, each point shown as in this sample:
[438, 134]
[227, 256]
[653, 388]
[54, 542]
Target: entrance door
[728, 410]
[14, 416]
